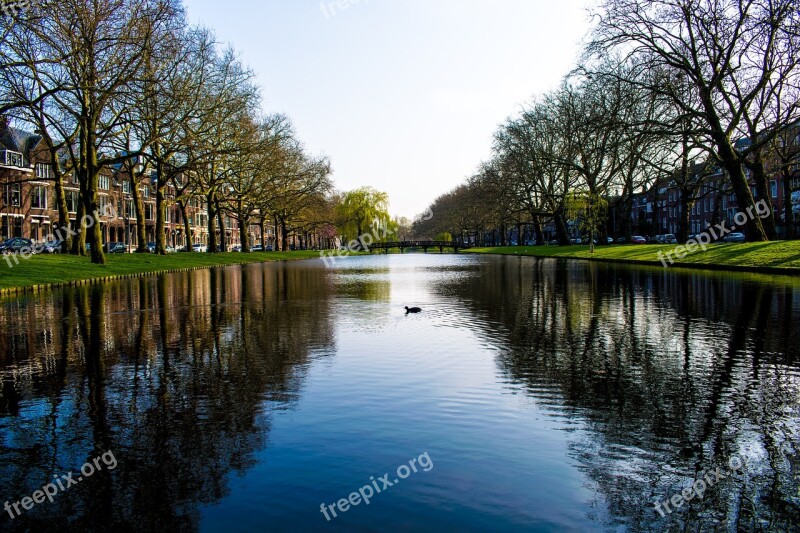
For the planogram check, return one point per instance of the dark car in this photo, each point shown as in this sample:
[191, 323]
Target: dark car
[638, 239]
[116, 248]
[16, 245]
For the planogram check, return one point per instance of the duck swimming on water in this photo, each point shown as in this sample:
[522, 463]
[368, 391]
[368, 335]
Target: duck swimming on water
[413, 310]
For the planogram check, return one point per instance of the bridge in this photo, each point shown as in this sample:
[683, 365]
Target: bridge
[425, 245]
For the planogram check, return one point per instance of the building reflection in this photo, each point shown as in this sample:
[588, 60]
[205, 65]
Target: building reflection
[177, 375]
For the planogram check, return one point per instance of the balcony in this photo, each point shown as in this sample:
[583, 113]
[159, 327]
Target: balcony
[12, 159]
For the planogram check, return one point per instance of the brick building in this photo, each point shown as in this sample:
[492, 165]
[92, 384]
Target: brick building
[28, 208]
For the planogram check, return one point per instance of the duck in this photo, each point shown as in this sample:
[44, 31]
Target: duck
[413, 310]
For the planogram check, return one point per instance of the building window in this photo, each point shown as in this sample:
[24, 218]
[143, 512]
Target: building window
[39, 197]
[149, 212]
[103, 203]
[44, 171]
[126, 187]
[13, 195]
[773, 185]
[146, 192]
[12, 159]
[72, 201]
[18, 226]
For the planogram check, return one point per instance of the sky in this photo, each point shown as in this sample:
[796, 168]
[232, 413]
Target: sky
[401, 95]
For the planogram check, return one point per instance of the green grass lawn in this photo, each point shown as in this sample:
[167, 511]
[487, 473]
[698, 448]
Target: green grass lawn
[61, 269]
[782, 257]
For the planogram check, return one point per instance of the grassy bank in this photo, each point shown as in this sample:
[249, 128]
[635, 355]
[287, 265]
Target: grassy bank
[770, 257]
[43, 270]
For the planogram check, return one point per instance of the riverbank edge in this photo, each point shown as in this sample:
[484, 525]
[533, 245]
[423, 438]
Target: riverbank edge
[23, 290]
[715, 267]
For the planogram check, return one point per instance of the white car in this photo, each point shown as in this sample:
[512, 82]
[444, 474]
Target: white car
[735, 237]
[199, 248]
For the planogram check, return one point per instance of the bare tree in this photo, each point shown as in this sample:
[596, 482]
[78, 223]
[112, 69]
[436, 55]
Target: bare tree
[729, 50]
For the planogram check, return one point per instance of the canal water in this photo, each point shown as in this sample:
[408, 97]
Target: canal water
[529, 395]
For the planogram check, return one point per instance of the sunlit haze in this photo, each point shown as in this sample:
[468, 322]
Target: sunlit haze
[402, 95]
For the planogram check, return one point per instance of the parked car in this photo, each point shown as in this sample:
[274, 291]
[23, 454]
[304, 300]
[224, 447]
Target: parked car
[268, 249]
[50, 247]
[670, 239]
[237, 248]
[151, 247]
[575, 241]
[200, 248]
[116, 248]
[257, 248]
[735, 237]
[16, 245]
[638, 239]
[622, 240]
[169, 249]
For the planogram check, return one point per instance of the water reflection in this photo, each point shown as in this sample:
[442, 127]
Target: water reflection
[666, 376]
[171, 373]
[550, 395]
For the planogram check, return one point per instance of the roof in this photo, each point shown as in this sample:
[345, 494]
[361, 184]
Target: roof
[18, 140]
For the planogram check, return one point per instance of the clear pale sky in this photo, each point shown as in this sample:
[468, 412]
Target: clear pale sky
[402, 95]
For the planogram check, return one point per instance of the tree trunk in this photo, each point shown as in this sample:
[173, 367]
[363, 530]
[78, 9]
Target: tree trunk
[537, 229]
[161, 215]
[732, 163]
[63, 212]
[212, 222]
[186, 228]
[788, 212]
[562, 233]
[79, 242]
[243, 237]
[141, 223]
[262, 225]
[762, 187]
[685, 222]
[223, 246]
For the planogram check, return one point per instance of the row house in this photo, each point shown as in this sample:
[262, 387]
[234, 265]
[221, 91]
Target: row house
[28, 207]
[658, 210]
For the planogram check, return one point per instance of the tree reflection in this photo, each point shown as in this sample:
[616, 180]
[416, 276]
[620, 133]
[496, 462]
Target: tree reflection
[662, 376]
[177, 375]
